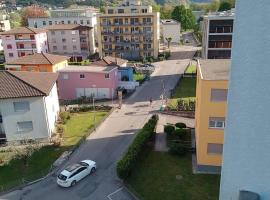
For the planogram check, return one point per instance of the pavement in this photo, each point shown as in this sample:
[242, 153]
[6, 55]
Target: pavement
[161, 138]
[111, 140]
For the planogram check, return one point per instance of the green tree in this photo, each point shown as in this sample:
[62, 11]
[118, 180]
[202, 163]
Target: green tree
[184, 16]
[213, 6]
[169, 40]
[15, 20]
[225, 5]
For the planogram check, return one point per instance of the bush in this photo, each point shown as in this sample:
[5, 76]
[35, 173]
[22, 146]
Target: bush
[177, 149]
[64, 116]
[180, 133]
[125, 165]
[169, 129]
[180, 125]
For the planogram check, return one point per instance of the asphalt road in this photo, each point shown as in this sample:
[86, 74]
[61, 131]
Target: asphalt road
[111, 139]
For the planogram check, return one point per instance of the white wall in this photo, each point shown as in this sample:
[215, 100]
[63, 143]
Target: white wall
[171, 30]
[52, 108]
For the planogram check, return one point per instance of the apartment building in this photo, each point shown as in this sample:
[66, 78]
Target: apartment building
[83, 16]
[130, 31]
[170, 28]
[245, 168]
[24, 41]
[217, 31]
[4, 26]
[73, 40]
[210, 115]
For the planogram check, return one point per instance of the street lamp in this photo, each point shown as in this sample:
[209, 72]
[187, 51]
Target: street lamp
[94, 110]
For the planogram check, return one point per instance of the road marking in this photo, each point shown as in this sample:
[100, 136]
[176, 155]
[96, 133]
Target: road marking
[118, 190]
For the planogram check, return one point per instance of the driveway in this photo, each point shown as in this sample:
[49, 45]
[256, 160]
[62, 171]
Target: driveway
[111, 139]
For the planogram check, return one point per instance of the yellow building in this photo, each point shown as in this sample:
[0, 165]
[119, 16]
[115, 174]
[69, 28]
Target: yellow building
[130, 31]
[211, 102]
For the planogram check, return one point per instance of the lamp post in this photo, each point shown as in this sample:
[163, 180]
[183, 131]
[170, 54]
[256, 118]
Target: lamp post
[94, 109]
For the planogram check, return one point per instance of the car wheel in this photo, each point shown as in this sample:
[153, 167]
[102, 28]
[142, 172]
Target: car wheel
[73, 183]
[93, 170]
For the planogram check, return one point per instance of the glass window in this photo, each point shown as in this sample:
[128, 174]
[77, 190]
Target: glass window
[65, 76]
[213, 148]
[21, 106]
[10, 54]
[64, 40]
[217, 122]
[9, 46]
[73, 32]
[25, 126]
[219, 95]
[107, 75]
[82, 76]
[44, 23]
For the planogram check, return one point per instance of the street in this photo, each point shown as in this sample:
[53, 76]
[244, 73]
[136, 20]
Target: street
[111, 139]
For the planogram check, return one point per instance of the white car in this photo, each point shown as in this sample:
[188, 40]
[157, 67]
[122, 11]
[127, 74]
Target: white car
[76, 172]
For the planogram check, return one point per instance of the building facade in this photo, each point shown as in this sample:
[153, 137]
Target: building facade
[4, 26]
[210, 116]
[87, 81]
[24, 41]
[38, 62]
[245, 168]
[130, 31]
[170, 28]
[217, 31]
[71, 40]
[28, 105]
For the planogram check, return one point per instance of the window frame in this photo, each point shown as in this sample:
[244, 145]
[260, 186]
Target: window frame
[20, 110]
[25, 130]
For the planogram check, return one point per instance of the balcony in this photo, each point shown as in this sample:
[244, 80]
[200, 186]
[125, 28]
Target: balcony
[19, 39]
[26, 49]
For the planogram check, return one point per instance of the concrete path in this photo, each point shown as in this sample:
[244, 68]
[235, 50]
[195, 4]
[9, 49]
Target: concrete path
[161, 141]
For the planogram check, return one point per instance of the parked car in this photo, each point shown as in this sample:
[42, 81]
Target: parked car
[76, 172]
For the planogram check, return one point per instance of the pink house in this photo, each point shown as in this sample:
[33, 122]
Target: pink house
[77, 81]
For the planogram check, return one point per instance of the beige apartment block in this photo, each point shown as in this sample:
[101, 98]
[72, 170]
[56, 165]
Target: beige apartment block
[130, 31]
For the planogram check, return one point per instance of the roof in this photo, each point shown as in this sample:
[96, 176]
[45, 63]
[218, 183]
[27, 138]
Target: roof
[169, 22]
[109, 60]
[214, 69]
[17, 84]
[24, 30]
[90, 68]
[38, 58]
[66, 27]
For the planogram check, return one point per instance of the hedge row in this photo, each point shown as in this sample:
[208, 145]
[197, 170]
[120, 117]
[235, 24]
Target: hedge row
[127, 162]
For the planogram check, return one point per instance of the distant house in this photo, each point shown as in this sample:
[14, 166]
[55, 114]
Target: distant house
[87, 81]
[28, 105]
[38, 62]
[170, 28]
[24, 41]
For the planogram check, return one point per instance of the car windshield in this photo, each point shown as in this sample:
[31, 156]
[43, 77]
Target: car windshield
[84, 164]
[62, 177]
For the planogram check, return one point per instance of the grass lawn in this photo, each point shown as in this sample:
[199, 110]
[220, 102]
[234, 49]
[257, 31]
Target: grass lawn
[138, 77]
[191, 69]
[186, 89]
[41, 160]
[155, 179]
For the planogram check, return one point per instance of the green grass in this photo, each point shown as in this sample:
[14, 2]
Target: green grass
[186, 90]
[138, 77]
[191, 69]
[41, 160]
[155, 179]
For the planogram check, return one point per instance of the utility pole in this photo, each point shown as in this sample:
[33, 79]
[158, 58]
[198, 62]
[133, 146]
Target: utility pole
[94, 112]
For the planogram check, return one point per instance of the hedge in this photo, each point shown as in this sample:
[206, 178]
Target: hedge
[169, 129]
[180, 125]
[125, 165]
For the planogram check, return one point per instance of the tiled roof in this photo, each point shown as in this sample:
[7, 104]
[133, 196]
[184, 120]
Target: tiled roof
[65, 27]
[16, 84]
[24, 30]
[109, 60]
[38, 58]
[214, 69]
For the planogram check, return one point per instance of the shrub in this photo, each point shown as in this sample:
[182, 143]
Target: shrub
[125, 165]
[169, 129]
[180, 133]
[180, 125]
[177, 149]
[64, 116]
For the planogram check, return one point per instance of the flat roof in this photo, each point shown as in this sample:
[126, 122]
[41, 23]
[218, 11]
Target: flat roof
[214, 69]
[88, 68]
[169, 22]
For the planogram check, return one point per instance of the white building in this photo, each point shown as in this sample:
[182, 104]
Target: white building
[245, 169]
[28, 105]
[170, 28]
[4, 26]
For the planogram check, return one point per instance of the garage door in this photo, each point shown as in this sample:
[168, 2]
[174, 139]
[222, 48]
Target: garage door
[103, 93]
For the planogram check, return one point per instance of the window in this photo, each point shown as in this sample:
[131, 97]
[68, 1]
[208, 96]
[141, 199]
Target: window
[65, 76]
[21, 46]
[54, 47]
[22, 54]
[33, 46]
[73, 40]
[64, 47]
[21, 106]
[110, 11]
[213, 148]
[64, 40]
[69, 22]
[50, 22]
[107, 75]
[32, 37]
[217, 122]
[63, 22]
[9, 46]
[75, 22]
[81, 21]
[82, 76]
[88, 22]
[120, 10]
[10, 55]
[62, 32]
[74, 47]
[25, 126]
[73, 32]
[44, 23]
[219, 95]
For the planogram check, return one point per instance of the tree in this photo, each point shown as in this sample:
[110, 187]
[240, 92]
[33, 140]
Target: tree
[32, 11]
[15, 19]
[184, 16]
[213, 6]
[225, 5]
[169, 41]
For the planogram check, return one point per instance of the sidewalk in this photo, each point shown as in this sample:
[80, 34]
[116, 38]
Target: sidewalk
[161, 141]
